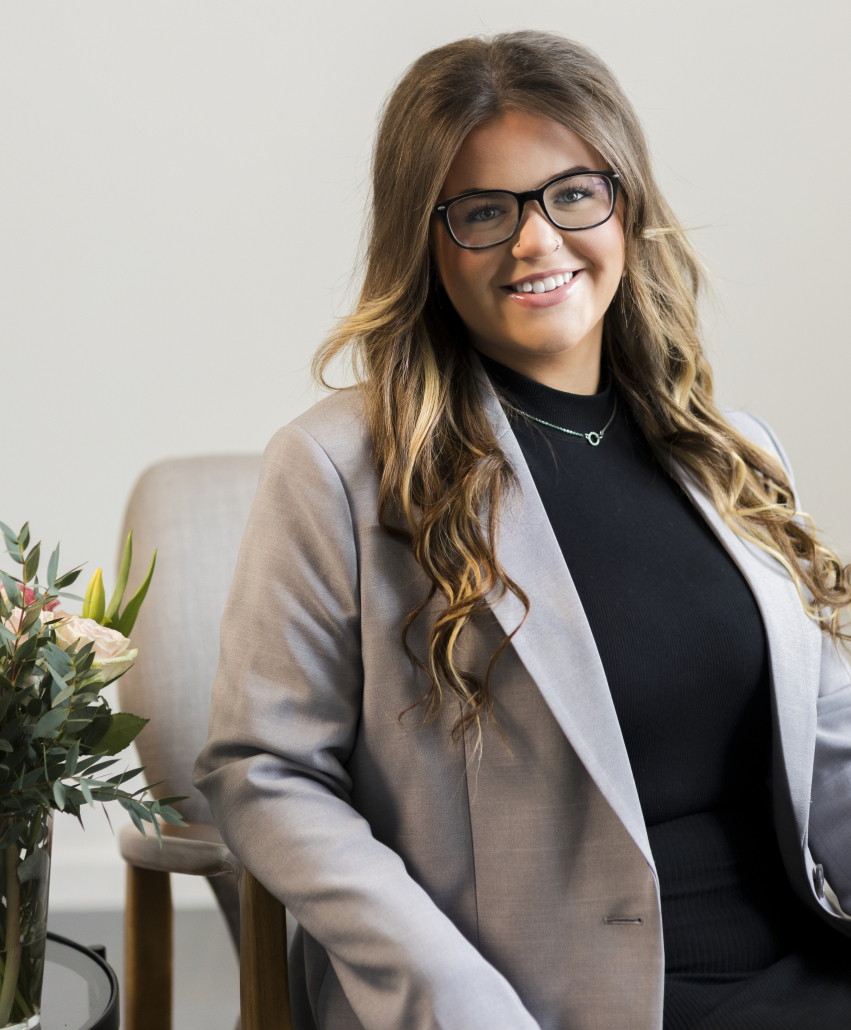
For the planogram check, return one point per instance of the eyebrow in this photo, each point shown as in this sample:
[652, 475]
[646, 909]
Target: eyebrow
[575, 170]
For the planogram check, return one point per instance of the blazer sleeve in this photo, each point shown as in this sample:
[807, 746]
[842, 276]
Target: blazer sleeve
[829, 832]
[285, 710]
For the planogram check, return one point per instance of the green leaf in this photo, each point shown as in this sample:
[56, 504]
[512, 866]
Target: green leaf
[23, 540]
[59, 794]
[170, 816]
[10, 535]
[6, 746]
[57, 679]
[67, 579]
[123, 730]
[162, 802]
[72, 758]
[128, 618]
[59, 659]
[26, 649]
[12, 591]
[62, 696]
[87, 793]
[48, 725]
[52, 568]
[111, 615]
[34, 866]
[31, 564]
[6, 698]
[30, 619]
[12, 833]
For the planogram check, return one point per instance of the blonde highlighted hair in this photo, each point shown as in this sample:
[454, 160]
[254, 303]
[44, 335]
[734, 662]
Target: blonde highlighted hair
[443, 475]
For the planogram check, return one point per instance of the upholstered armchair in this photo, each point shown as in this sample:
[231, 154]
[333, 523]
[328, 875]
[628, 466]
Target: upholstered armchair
[194, 511]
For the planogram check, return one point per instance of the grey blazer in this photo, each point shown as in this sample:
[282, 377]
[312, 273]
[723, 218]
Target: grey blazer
[437, 888]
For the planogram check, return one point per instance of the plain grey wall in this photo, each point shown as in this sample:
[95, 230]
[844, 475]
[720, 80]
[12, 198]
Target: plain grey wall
[182, 183]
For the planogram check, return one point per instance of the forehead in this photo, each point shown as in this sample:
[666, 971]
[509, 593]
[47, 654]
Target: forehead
[517, 151]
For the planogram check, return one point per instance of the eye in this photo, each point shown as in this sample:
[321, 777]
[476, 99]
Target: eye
[572, 195]
[483, 213]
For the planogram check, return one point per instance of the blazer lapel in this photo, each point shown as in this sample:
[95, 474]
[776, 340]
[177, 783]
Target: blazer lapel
[794, 645]
[555, 643]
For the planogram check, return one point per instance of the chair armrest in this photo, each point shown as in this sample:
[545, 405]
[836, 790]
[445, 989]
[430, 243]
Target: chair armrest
[196, 849]
[264, 989]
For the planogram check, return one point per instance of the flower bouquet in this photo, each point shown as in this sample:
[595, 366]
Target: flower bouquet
[57, 738]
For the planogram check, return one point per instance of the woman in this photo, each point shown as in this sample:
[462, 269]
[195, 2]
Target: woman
[530, 707]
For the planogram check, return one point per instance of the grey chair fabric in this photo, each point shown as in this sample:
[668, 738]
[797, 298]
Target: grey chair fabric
[194, 512]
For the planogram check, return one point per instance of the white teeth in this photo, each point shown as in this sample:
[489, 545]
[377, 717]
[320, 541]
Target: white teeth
[552, 282]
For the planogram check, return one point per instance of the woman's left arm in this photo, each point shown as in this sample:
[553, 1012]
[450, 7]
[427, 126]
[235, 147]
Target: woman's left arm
[830, 809]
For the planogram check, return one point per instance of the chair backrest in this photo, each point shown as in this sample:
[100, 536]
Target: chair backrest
[194, 511]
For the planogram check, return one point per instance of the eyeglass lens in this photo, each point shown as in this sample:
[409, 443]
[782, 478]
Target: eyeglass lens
[575, 202]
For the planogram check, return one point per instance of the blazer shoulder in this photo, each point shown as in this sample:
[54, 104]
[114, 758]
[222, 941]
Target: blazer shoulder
[335, 425]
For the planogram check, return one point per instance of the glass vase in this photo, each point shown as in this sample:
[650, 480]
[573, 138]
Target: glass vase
[24, 883]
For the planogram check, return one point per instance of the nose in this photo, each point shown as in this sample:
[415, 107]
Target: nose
[536, 236]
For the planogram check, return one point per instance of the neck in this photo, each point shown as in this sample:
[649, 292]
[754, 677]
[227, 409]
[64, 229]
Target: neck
[573, 371]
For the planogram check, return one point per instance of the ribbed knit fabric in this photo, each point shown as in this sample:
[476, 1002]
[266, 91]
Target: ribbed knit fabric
[682, 642]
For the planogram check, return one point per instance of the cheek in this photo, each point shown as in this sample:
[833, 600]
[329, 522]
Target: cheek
[607, 253]
[464, 274]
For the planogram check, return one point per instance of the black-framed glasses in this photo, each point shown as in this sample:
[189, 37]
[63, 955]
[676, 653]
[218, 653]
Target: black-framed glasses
[487, 218]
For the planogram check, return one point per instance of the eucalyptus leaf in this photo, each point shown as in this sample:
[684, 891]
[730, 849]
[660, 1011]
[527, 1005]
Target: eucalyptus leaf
[23, 540]
[62, 696]
[11, 834]
[10, 535]
[59, 794]
[171, 816]
[34, 866]
[12, 590]
[32, 561]
[67, 579]
[48, 725]
[72, 758]
[52, 567]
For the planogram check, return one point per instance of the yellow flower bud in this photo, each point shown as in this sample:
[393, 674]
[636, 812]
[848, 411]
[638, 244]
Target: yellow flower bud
[94, 604]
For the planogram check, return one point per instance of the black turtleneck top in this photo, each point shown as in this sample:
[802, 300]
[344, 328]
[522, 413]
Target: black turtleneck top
[682, 643]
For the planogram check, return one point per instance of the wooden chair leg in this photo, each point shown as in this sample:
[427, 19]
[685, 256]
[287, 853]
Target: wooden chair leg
[147, 950]
[264, 989]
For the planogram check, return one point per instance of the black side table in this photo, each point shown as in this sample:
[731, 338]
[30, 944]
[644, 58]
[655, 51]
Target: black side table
[80, 989]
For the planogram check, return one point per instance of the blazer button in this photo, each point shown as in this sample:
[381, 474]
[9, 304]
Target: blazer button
[818, 880]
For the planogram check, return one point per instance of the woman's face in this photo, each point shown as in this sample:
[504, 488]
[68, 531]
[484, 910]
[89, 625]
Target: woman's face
[554, 337]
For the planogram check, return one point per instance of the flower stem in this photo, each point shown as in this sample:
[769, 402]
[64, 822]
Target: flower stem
[13, 935]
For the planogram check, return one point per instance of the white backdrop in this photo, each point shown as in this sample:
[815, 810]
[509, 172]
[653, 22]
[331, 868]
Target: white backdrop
[181, 185]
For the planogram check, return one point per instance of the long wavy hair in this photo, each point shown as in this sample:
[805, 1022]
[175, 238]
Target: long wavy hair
[443, 476]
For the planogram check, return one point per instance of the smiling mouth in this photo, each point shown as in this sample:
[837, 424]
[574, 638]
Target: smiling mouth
[546, 285]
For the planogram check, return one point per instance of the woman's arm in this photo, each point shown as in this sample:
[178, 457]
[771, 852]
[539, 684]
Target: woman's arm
[829, 832]
[830, 809]
[285, 712]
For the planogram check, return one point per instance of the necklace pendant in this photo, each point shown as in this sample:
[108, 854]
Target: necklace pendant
[594, 438]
